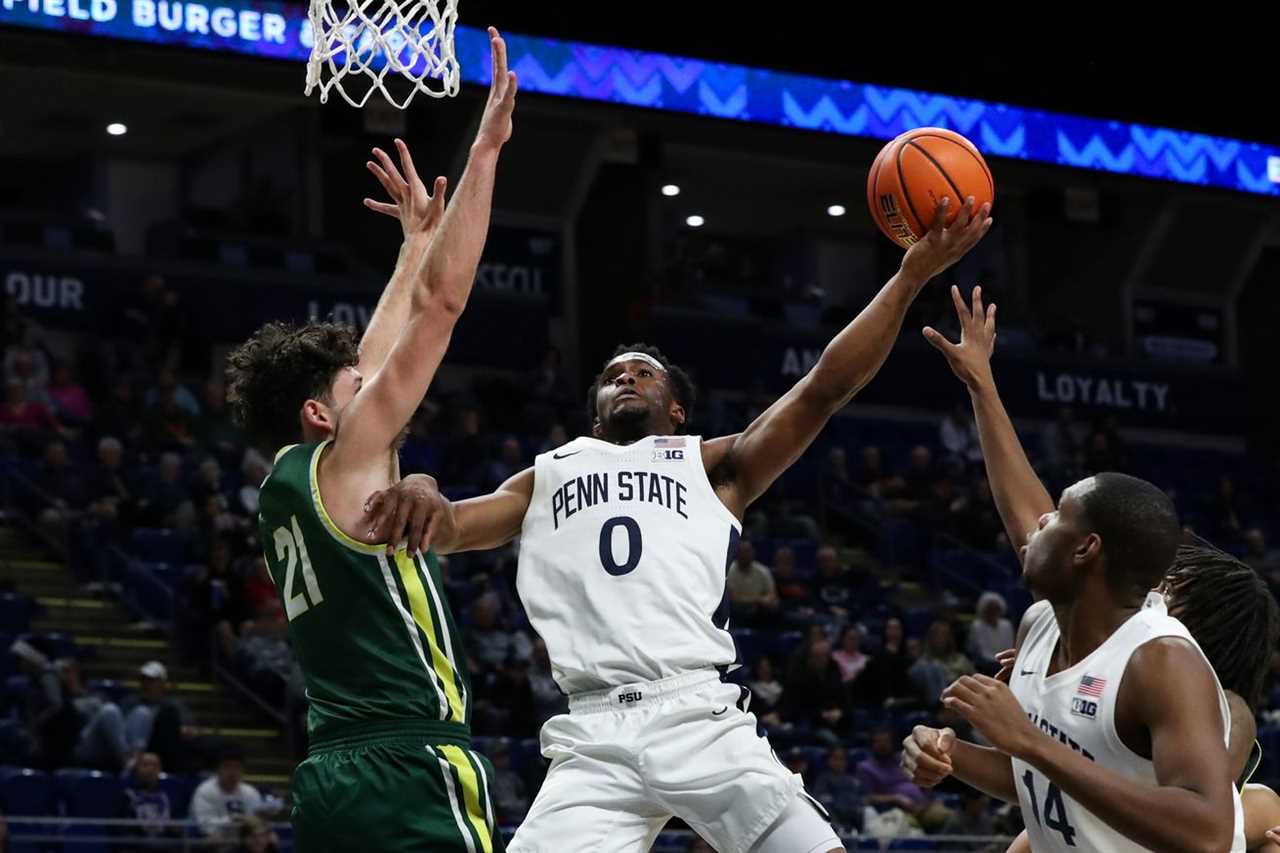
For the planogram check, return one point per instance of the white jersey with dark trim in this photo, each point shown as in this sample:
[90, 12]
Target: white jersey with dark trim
[1077, 707]
[623, 558]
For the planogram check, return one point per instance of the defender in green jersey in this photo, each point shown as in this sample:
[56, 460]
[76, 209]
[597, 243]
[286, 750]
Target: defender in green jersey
[389, 765]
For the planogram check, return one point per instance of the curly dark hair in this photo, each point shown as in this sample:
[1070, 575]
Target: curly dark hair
[278, 369]
[1230, 612]
[682, 388]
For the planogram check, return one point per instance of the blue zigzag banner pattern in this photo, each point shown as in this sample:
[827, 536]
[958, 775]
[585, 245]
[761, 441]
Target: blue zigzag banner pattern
[718, 90]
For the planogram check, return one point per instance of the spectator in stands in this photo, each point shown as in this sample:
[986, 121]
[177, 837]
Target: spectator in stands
[1101, 454]
[224, 801]
[488, 642]
[165, 494]
[974, 819]
[959, 435]
[159, 722]
[208, 480]
[836, 589]
[750, 585]
[1061, 441]
[548, 699]
[509, 463]
[146, 803]
[67, 397]
[168, 387]
[1224, 511]
[940, 664]
[989, 633]
[849, 656]
[121, 414]
[885, 682]
[557, 436]
[257, 836]
[974, 517]
[101, 744]
[887, 784]
[794, 595]
[871, 475]
[108, 480]
[253, 472]
[465, 456]
[27, 363]
[51, 717]
[814, 693]
[916, 486]
[211, 605]
[169, 425]
[215, 430]
[838, 494]
[838, 789]
[28, 421]
[62, 482]
[1263, 560]
[765, 688]
[4, 834]
[509, 794]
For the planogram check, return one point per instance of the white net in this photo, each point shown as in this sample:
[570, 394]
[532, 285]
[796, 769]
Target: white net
[358, 43]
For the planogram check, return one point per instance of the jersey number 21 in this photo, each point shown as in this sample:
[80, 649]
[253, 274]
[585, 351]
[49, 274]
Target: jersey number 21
[291, 550]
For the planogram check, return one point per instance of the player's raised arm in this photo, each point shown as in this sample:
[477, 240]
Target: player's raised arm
[1019, 495]
[752, 460]
[419, 217]
[379, 412]
[1174, 697]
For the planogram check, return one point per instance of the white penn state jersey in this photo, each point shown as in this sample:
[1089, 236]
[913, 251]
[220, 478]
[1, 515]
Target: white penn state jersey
[1077, 706]
[623, 558]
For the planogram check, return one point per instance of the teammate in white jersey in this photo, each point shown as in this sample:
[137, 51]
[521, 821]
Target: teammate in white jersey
[1114, 734]
[625, 542]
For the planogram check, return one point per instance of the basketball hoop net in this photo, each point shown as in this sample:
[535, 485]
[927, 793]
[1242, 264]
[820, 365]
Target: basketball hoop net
[357, 43]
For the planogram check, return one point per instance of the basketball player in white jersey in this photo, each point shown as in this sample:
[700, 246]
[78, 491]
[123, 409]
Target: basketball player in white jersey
[625, 541]
[1112, 734]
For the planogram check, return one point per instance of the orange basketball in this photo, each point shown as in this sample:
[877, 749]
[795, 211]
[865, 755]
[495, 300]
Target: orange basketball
[911, 175]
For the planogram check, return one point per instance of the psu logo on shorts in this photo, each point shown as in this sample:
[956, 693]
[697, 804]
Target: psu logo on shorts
[630, 697]
[1084, 708]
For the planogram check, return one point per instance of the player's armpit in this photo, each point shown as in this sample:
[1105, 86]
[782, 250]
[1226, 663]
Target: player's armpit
[489, 521]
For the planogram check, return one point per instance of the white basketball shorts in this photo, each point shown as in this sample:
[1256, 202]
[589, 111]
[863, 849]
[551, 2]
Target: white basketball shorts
[626, 760]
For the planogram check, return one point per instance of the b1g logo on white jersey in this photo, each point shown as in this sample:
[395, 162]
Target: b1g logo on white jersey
[1084, 708]
[665, 449]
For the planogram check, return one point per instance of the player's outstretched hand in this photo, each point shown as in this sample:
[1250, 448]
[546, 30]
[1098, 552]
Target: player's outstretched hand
[992, 709]
[495, 124]
[407, 515]
[942, 246]
[418, 210]
[970, 359]
[926, 755]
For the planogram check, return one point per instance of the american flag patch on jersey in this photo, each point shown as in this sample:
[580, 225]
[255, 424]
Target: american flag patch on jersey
[1091, 686]
[669, 442]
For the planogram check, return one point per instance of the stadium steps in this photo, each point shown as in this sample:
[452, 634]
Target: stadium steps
[117, 645]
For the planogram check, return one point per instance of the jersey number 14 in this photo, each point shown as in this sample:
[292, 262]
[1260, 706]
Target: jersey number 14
[292, 550]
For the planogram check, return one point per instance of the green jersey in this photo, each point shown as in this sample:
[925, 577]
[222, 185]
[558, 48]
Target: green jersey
[372, 632]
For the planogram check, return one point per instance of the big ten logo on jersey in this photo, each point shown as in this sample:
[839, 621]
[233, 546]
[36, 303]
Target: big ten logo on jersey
[1084, 708]
[630, 697]
[668, 448]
